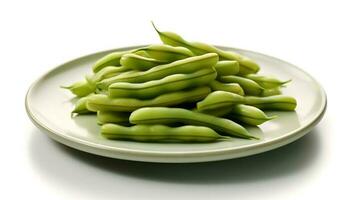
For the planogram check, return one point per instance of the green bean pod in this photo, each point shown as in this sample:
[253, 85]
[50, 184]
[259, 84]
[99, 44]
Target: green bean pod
[160, 133]
[247, 66]
[266, 82]
[104, 117]
[219, 100]
[80, 88]
[168, 84]
[166, 52]
[162, 115]
[249, 115]
[100, 102]
[228, 87]
[141, 63]
[277, 102]
[183, 66]
[249, 86]
[227, 67]
[81, 106]
[271, 92]
[111, 59]
[106, 72]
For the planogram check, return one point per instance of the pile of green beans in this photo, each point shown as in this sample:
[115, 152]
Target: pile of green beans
[178, 91]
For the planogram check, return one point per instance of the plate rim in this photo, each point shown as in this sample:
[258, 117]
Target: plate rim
[153, 156]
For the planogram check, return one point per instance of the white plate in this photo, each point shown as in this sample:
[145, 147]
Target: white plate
[49, 108]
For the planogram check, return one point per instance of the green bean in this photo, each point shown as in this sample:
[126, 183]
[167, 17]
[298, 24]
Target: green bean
[162, 115]
[104, 117]
[81, 106]
[111, 59]
[277, 102]
[141, 63]
[249, 86]
[166, 52]
[247, 66]
[249, 115]
[271, 92]
[228, 87]
[168, 84]
[220, 99]
[266, 82]
[160, 133]
[104, 103]
[80, 88]
[183, 66]
[227, 67]
[106, 72]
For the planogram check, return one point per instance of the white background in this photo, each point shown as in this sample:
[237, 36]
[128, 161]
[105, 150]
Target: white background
[318, 36]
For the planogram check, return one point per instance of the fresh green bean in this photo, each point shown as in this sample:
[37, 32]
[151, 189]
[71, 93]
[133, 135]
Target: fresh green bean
[104, 103]
[249, 115]
[162, 115]
[80, 88]
[220, 99]
[271, 92]
[276, 102]
[160, 133]
[183, 66]
[166, 52]
[266, 82]
[106, 72]
[247, 66]
[249, 86]
[228, 87]
[111, 59]
[81, 106]
[168, 84]
[141, 63]
[227, 67]
[104, 117]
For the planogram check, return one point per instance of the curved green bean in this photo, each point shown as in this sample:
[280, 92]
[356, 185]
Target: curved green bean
[80, 88]
[220, 99]
[106, 72]
[271, 92]
[247, 66]
[249, 115]
[100, 102]
[249, 86]
[266, 82]
[161, 115]
[228, 87]
[111, 59]
[141, 63]
[168, 84]
[160, 133]
[166, 52]
[104, 117]
[227, 67]
[183, 66]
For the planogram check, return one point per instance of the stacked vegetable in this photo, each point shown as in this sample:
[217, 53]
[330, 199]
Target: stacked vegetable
[179, 91]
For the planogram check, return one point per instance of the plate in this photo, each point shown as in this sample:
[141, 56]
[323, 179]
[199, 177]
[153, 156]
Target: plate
[49, 108]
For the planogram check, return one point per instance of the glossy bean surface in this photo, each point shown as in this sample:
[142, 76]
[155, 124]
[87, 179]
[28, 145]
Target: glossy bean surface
[81, 106]
[160, 133]
[141, 63]
[161, 115]
[227, 67]
[266, 82]
[249, 115]
[228, 87]
[166, 52]
[168, 84]
[111, 59]
[106, 72]
[100, 102]
[80, 88]
[219, 100]
[250, 87]
[277, 102]
[183, 66]
[104, 117]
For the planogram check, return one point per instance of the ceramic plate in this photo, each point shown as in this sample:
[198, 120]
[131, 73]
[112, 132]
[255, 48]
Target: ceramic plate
[49, 108]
